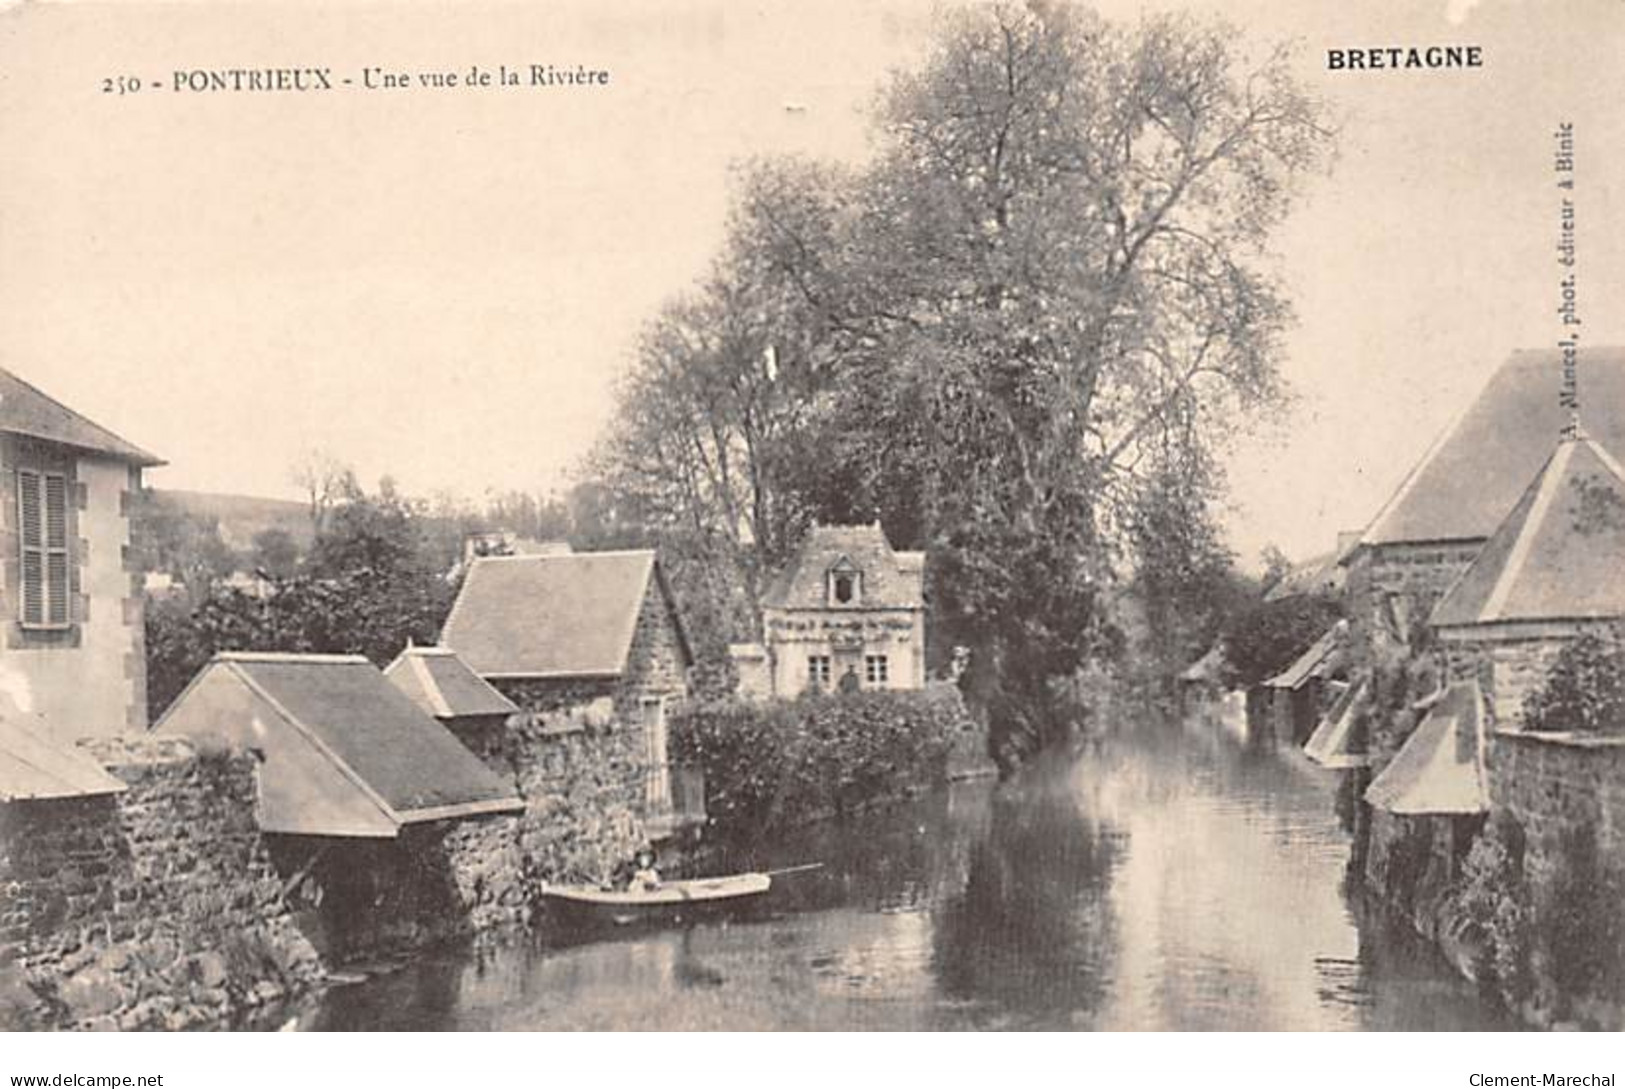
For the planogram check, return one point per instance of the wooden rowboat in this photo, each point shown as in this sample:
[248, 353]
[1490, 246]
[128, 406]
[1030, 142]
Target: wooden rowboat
[672, 899]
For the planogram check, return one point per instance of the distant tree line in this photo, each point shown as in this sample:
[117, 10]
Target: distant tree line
[382, 570]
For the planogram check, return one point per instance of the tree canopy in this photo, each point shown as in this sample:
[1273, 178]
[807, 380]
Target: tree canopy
[1045, 298]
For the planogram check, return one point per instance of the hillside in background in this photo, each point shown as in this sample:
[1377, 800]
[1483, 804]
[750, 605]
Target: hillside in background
[242, 517]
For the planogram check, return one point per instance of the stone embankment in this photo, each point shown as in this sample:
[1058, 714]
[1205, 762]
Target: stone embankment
[155, 908]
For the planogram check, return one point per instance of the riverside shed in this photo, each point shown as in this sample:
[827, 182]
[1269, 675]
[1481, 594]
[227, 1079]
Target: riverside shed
[345, 752]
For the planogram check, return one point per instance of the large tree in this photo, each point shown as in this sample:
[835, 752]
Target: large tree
[1045, 298]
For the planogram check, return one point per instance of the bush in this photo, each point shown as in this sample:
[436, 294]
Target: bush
[1494, 903]
[1585, 691]
[768, 765]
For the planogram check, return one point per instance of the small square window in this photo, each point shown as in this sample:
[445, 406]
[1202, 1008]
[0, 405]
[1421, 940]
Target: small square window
[876, 669]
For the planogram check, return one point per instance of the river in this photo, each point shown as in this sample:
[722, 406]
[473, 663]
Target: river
[1162, 878]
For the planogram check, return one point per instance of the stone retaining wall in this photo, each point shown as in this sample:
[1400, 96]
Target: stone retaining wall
[155, 908]
[1555, 786]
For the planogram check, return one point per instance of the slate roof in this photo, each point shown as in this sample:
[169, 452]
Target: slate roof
[346, 752]
[891, 580]
[441, 683]
[1320, 660]
[1335, 743]
[569, 615]
[34, 767]
[1465, 485]
[25, 410]
[1560, 553]
[1439, 769]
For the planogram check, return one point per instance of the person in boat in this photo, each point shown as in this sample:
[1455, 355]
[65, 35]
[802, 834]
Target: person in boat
[645, 878]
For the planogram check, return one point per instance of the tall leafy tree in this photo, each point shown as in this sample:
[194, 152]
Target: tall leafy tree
[1046, 297]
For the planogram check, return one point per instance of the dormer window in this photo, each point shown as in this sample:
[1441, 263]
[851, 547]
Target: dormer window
[845, 583]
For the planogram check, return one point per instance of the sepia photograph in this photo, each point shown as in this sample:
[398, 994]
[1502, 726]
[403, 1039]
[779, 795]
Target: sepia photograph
[868, 515]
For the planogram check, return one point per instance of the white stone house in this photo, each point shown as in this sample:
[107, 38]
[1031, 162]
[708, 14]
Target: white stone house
[72, 653]
[847, 609]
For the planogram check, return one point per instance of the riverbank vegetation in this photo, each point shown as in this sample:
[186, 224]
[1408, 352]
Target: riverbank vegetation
[772, 766]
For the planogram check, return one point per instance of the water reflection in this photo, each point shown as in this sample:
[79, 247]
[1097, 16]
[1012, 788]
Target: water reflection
[1162, 878]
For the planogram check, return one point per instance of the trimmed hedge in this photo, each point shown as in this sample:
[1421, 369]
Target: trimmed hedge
[769, 765]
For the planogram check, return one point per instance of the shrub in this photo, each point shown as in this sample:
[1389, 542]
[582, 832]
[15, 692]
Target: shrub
[768, 765]
[1494, 902]
[1585, 691]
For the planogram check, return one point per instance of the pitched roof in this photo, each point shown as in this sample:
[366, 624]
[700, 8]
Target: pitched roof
[891, 580]
[569, 615]
[34, 767]
[1209, 667]
[1558, 555]
[1320, 660]
[441, 683]
[1335, 742]
[1439, 769]
[1318, 574]
[1470, 479]
[346, 752]
[25, 410]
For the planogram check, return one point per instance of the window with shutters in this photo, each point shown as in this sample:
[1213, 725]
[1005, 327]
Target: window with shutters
[42, 522]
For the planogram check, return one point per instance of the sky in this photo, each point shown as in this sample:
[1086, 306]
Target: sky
[445, 285]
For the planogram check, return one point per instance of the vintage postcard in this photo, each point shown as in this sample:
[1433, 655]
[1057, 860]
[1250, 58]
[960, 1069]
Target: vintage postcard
[886, 515]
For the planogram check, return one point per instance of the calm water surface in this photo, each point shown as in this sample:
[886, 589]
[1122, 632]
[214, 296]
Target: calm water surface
[1160, 879]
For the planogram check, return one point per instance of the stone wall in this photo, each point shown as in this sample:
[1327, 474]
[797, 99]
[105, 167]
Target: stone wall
[1555, 786]
[657, 663]
[1393, 587]
[1512, 662]
[155, 908]
[1566, 797]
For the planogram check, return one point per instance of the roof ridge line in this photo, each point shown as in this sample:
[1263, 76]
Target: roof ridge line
[1551, 474]
[310, 735]
[618, 553]
[289, 657]
[431, 688]
[1604, 456]
[1411, 478]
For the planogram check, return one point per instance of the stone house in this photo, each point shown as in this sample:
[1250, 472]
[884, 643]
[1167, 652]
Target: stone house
[1434, 525]
[593, 631]
[846, 609]
[72, 649]
[1553, 570]
[1548, 574]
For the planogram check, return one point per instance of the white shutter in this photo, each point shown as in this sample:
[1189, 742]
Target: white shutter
[42, 517]
[31, 531]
